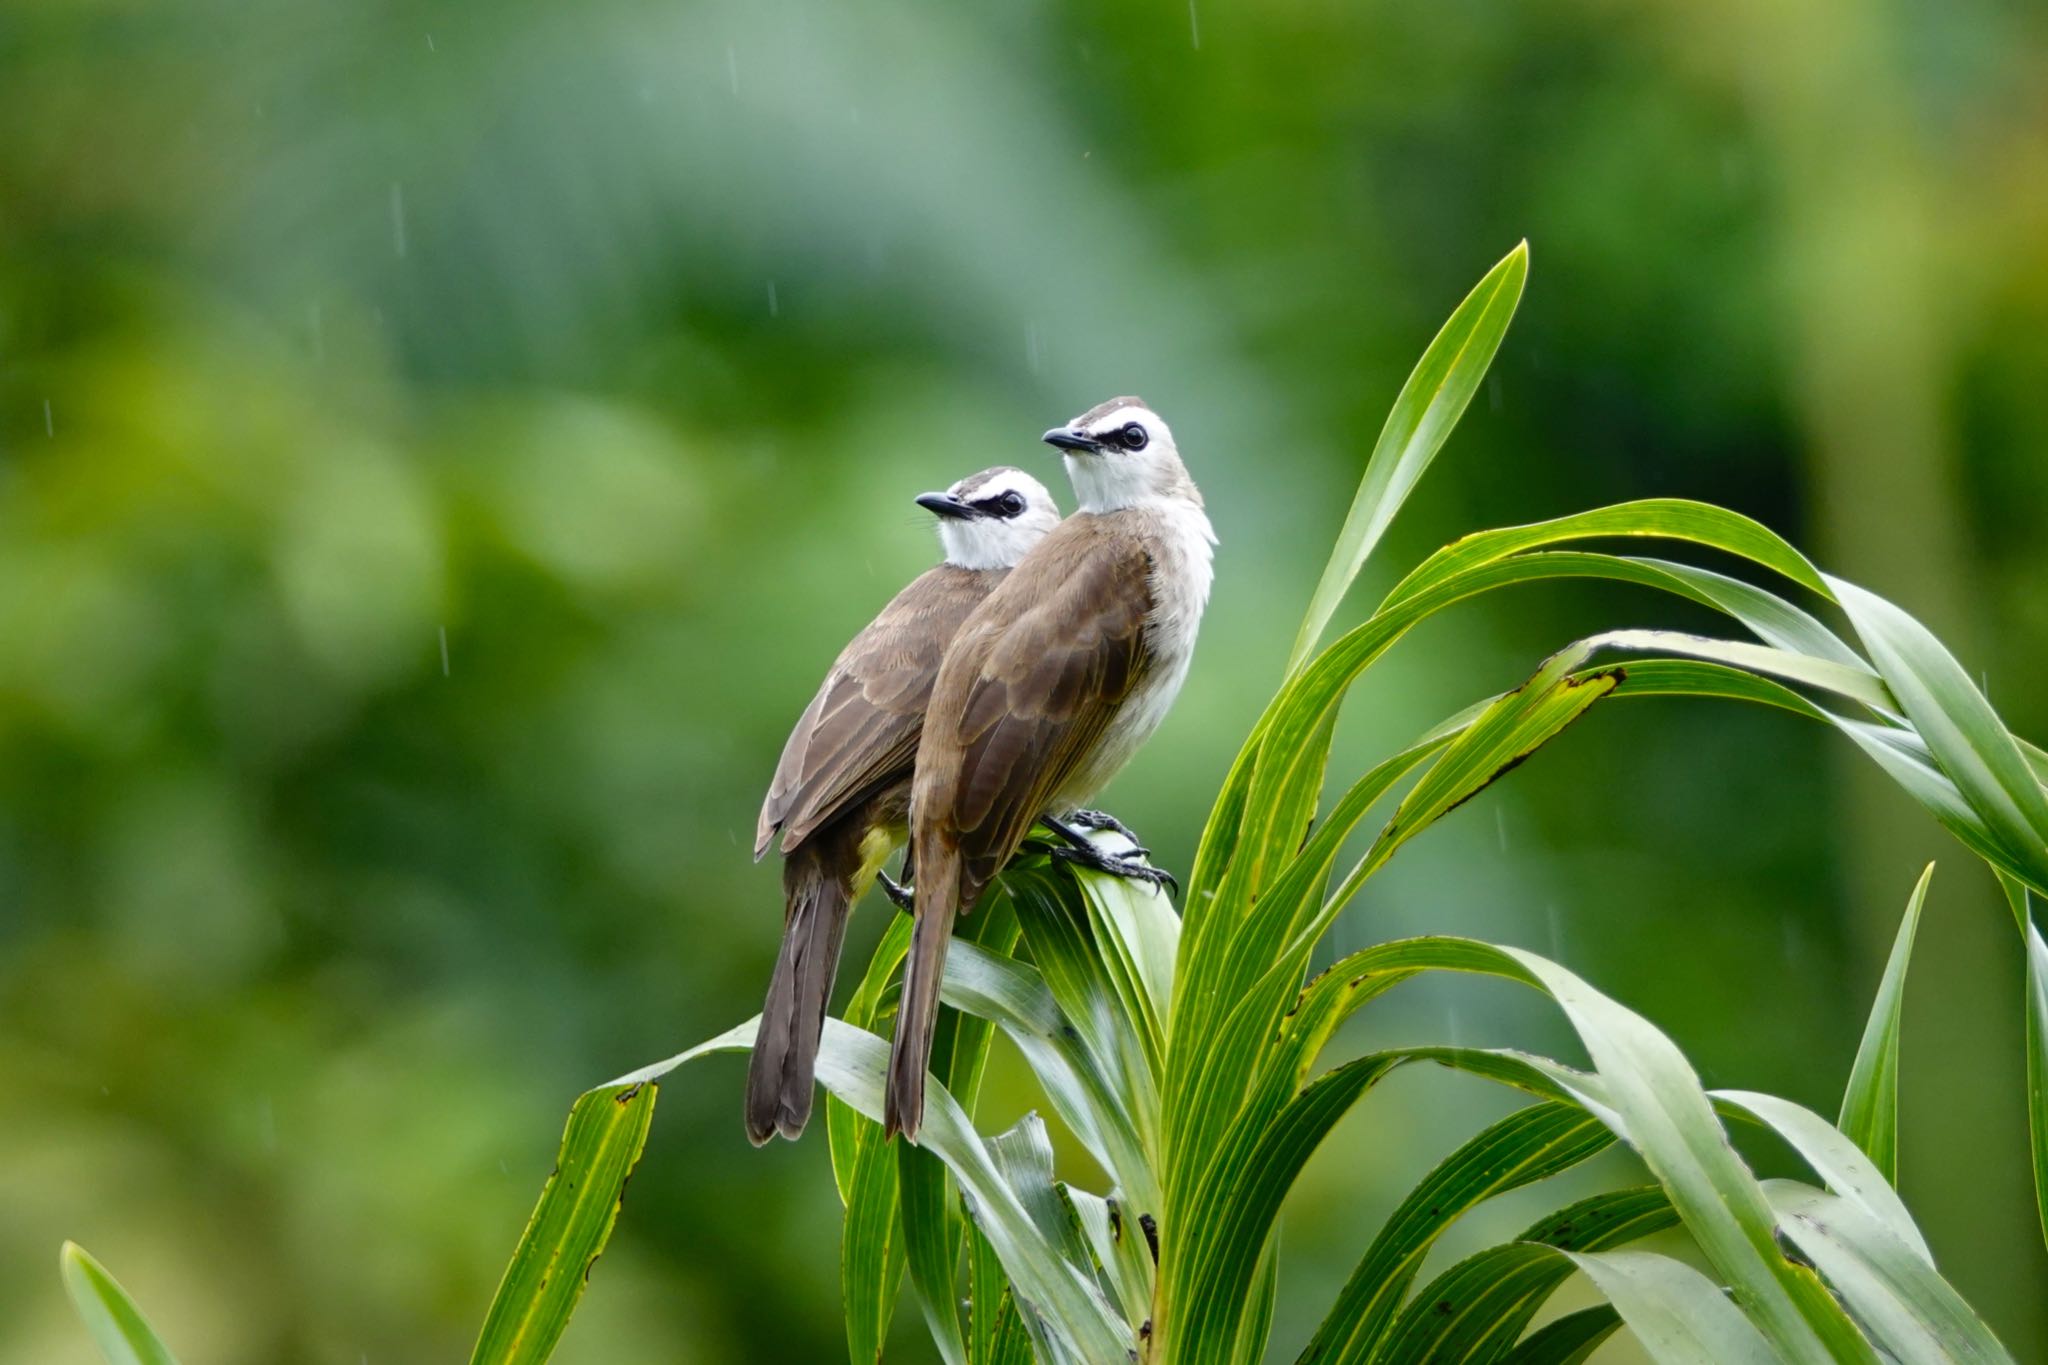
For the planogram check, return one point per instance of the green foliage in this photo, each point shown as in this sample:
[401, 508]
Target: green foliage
[1184, 1057]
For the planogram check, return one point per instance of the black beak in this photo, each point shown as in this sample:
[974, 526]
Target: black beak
[946, 505]
[1072, 438]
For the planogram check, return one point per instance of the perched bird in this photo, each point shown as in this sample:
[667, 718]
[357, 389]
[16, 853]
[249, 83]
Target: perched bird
[1047, 691]
[842, 789]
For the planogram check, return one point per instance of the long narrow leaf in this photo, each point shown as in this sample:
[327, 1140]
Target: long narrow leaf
[1835, 1159]
[1567, 1341]
[1528, 1145]
[1965, 735]
[1680, 1316]
[1870, 1106]
[569, 1227]
[1428, 407]
[1890, 1287]
[852, 1064]
[117, 1326]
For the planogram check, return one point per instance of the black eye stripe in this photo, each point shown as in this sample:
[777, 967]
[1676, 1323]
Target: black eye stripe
[999, 505]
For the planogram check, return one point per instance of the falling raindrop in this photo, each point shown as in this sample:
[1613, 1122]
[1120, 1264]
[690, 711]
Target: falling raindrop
[732, 69]
[49, 421]
[774, 305]
[430, 43]
[444, 651]
[1194, 26]
[1500, 823]
[1556, 935]
[398, 219]
[503, 1169]
[1493, 390]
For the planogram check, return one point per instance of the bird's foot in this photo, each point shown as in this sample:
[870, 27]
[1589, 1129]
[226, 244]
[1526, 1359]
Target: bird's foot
[1129, 869]
[1081, 851]
[904, 897]
[1100, 820]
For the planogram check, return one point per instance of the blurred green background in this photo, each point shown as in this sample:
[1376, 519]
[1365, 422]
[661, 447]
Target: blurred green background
[441, 446]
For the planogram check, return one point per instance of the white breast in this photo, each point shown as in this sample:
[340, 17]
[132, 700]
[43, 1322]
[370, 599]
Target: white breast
[1183, 549]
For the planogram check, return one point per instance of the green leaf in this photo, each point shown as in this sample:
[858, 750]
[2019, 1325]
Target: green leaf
[1890, 1287]
[852, 1064]
[2037, 1045]
[1428, 407]
[1961, 730]
[1528, 1145]
[1567, 1341]
[570, 1225]
[1014, 995]
[1834, 1158]
[1256, 1324]
[1870, 1106]
[1698, 523]
[116, 1324]
[871, 1252]
[1475, 1310]
[871, 1255]
[1679, 1315]
[932, 1230]
[1667, 1118]
[864, 1011]
[1642, 1088]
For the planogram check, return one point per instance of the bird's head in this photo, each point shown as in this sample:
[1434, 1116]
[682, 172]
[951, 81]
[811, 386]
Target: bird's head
[991, 519]
[1119, 454]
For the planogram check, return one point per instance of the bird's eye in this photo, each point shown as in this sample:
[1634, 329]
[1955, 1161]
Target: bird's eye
[1010, 504]
[1132, 437]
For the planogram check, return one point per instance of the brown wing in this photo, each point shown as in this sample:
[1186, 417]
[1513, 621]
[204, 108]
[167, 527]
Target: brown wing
[1028, 690]
[860, 731]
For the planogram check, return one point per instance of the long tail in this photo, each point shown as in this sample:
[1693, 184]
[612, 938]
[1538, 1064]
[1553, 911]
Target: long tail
[818, 893]
[938, 900]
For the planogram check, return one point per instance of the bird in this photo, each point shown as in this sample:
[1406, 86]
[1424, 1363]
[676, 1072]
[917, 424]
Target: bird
[841, 791]
[1050, 687]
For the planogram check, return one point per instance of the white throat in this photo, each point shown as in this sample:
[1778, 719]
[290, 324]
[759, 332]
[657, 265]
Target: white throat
[1110, 483]
[981, 544]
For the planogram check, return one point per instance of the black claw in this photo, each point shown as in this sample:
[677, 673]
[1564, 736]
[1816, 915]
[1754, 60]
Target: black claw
[1100, 820]
[904, 897]
[1113, 866]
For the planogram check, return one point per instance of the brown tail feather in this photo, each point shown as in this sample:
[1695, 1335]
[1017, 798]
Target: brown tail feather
[817, 897]
[938, 900]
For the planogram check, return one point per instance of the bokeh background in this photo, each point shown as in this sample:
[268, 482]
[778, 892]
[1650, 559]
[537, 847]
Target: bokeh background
[441, 446]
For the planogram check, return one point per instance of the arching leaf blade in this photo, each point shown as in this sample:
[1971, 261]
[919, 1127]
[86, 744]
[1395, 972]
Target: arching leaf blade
[1428, 407]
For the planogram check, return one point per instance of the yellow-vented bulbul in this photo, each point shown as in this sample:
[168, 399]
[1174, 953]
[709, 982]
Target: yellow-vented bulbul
[842, 789]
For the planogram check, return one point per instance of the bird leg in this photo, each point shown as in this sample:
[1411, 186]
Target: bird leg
[1081, 851]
